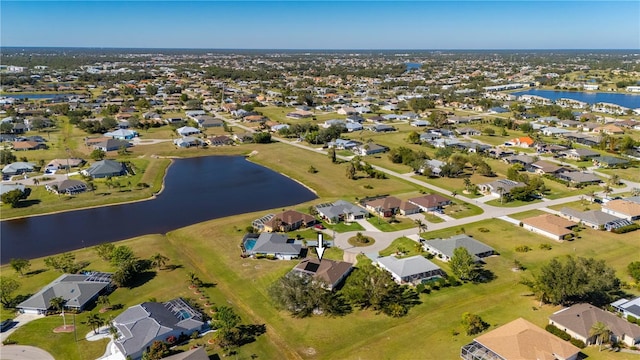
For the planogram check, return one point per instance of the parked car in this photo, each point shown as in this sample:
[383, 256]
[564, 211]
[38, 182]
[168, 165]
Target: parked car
[6, 325]
[319, 226]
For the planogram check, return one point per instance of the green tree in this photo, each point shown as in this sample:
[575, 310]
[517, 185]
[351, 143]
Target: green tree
[601, 332]
[121, 254]
[634, 270]
[262, 138]
[7, 157]
[57, 303]
[103, 301]
[20, 265]
[14, 197]
[7, 287]
[65, 263]
[302, 295]
[95, 321]
[488, 131]
[332, 155]
[104, 251]
[413, 138]
[473, 324]
[463, 265]
[113, 331]
[97, 154]
[158, 260]
[157, 350]
[351, 171]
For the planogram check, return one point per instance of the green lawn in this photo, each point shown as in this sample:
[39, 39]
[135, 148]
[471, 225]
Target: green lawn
[459, 210]
[583, 205]
[384, 224]
[512, 203]
[403, 247]
[343, 227]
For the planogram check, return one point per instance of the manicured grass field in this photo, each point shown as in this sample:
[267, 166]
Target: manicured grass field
[384, 225]
[459, 210]
[405, 245]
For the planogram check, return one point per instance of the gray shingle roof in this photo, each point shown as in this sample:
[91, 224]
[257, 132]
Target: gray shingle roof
[595, 217]
[105, 168]
[408, 266]
[340, 208]
[273, 243]
[73, 288]
[447, 246]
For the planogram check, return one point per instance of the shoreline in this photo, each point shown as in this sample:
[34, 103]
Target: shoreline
[152, 197]
[285, 175]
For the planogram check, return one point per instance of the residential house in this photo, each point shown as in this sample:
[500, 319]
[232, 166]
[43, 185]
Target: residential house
[434, 165]
[579, 154]
[578, 320]
[381, 128]
[268, 244]
[111, 145]
[369, 149]
[468, 131]
[220, 140]
[628, 308]
[407, 208]
[554, 131]
[383, 206]
[289, 220]
[621, 208]
[105, 168]
[333, 122]
[243, 137]
[67, 187]
[583, 139]
[546, 167]
[549, 225]
[206, 121]
[431, 202]
[609, 162]
[140, 325]
[194, 354]
[524, 160]
[524, 142]
[444, 248]
[330, 272]
[420, 123]
[77, 290]
[549, 148]
[594, 219]
[353, 126]
[28, 145]
[519, 340]
[609, 129]
[499, 153]
[576, 178]
[341, 211]
[187, 130]
[4, 188]
[411, 270]
[59, 164]
[342, 144]
[500, 187]
[188, 141]
[121, 134]
[17, 168]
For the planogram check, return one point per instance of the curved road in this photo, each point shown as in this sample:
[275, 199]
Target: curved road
[384, 239]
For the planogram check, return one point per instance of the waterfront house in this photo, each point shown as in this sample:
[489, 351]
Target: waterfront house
[275, 245]
[341, 211]
[289, 220]
[105, 168]
[67, 187]
[77, 290]
[187, 130]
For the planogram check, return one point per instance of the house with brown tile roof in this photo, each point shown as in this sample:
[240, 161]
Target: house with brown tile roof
[330, 272]
[519, 340]
[28, 145]
[430, 202]
[383, 206]
[289, 220]
[623, 209]
[549, 225]
[578, 319]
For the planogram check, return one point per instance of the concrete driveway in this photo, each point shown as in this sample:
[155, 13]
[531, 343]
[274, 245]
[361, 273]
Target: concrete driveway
[22, 352]
[20, 320]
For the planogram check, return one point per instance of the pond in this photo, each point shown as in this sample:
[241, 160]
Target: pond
[196, 190]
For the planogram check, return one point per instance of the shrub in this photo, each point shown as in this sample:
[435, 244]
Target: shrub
[633, 320]
[483, 230]
[545, 246]
[557, 332]
[523, 248]
[578, 343]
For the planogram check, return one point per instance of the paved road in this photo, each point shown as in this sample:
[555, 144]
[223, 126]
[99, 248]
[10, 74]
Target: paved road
[22, 352]
[384, 239]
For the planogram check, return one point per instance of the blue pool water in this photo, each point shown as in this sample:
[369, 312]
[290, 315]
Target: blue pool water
[249, 244]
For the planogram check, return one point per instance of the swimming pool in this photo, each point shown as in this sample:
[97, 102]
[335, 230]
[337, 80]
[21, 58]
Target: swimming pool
[185, 314]
[249, 244]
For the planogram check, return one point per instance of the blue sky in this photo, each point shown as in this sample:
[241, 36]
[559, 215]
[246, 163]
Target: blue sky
[323, 25]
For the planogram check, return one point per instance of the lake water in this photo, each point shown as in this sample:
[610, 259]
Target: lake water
[411, 66]
[196, 190]
[627, 100]
[37, 96]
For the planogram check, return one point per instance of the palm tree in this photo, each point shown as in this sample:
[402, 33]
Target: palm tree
[103, 301]
[601, 332]
[607, 190]
[421, 226]
[614, 179]
[57, 303]
[467, 184]
[159, 260]
[194, 280]
[113, 331]
[95, 321]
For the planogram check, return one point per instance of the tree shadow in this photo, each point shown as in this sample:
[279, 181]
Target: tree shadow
[18, 299]
[209, 285]
[27, 203]
[484, 276]
[172, 267]
[250, 333]
[141, 279]
[35, 272]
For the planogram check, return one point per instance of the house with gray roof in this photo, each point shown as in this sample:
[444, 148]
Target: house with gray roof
[411, 270]
[67, 187]
[628, 307]
[10, 187]
[500, 187]
[341, 211]
[140, 325]
[17, 168]
[594, 219]
[433, 164]
[579, 154]
[187, 130]
[77, 290]
[578, 320]
[579, 178]
[272, 245]
[444, 248]
[105, 168]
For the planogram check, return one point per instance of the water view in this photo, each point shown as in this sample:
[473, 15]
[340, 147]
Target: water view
[627, 100]
[196, 190]
[37, 96]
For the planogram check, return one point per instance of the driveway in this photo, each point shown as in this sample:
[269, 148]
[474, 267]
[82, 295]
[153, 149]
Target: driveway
[20, 320]
[22, 352]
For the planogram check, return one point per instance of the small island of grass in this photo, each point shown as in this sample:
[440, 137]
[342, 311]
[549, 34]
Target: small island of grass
[361, 240]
